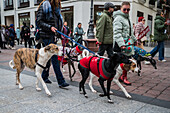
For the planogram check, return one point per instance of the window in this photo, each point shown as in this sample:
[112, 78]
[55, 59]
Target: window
[8, 3]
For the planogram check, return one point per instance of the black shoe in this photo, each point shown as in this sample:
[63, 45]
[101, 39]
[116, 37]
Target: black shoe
[64, 85]
[47, 81]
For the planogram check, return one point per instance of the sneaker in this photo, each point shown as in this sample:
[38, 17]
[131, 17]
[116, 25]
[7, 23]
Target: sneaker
[162, 60]
[13, 48]
[147, 63]
[64, 85]
[47, 81]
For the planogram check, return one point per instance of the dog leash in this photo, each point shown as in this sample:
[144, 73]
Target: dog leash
[97, 55]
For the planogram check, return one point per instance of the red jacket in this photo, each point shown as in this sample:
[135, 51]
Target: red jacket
[93, 67]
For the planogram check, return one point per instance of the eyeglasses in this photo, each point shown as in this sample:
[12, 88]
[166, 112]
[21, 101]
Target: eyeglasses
[126, 9]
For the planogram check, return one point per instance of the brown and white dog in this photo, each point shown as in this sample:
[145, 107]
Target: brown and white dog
[133, 67]
[35, 59]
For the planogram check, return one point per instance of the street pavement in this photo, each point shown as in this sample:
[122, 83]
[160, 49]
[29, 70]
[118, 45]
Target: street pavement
[150, 92]
[28, 100]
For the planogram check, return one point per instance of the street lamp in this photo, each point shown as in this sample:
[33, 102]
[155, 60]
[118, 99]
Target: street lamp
[90, 33]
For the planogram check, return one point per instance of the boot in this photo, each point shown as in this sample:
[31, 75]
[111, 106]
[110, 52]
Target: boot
[123, 78]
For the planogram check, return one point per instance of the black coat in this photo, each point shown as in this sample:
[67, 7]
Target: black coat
[45, 22]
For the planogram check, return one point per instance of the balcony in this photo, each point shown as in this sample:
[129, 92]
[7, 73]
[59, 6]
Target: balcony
[8, 5]
[23, 3]
[37, 2]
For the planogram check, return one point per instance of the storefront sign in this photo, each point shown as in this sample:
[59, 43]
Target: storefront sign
[143, 33]
[66, 9]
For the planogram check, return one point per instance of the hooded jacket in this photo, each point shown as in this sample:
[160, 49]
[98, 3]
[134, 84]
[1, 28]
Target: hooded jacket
[159, 29]
[121, 30]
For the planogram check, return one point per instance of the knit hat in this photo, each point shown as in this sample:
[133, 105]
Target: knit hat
[140, 19]
[108, 5]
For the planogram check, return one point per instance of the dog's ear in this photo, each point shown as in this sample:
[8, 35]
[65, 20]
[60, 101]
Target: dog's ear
[47, 48]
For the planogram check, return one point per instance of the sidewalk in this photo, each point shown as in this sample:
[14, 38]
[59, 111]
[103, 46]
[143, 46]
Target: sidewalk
[152, 87]
[29, 100]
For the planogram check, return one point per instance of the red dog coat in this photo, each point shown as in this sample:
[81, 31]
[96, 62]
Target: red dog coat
[93, 67]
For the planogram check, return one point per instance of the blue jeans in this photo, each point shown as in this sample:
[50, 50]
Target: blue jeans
[159, 48]
[56, 66]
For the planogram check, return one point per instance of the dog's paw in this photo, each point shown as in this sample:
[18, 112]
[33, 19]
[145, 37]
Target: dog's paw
[94, 91]
[102, 95]
[110, 101]
[48, 93]
[128, 96]
[21, 88]
[86, 95]
[38, 89]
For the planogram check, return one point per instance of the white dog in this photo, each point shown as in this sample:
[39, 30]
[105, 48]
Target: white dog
[35, 59]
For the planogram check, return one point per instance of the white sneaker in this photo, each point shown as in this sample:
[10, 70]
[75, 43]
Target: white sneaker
[13, 48]
[162, 60]
[147, 63]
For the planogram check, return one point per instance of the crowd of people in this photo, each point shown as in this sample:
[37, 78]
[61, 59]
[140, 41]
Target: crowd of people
[11, 37]
[113, 31]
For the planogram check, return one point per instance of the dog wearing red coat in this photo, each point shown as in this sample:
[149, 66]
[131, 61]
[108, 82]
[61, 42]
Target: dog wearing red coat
[105, 69]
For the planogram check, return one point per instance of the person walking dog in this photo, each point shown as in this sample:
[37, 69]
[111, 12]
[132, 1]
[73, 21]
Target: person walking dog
[104, 30]
[123, 35]
[49, 19]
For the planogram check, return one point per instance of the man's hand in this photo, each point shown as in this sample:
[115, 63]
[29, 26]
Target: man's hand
[166, 23]
[123, 47]
[53, 29]
[76, 33]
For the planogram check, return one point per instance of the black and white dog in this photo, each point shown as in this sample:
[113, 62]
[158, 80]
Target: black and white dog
[105, 69]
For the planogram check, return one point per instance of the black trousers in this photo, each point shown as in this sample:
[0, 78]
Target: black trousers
[106, 47]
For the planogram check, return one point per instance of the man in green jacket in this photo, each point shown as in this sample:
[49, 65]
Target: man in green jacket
[104, 30]
[160, 34]
[123, 35]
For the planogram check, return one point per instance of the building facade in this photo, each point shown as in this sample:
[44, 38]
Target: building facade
[74, 11]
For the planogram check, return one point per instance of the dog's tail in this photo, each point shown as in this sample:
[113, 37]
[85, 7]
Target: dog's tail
[11, 64]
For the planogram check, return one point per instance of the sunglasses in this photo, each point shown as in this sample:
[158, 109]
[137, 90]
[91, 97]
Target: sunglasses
[126, 9]
[143, 20]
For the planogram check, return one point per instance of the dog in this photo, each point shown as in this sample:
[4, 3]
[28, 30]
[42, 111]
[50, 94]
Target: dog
[122, 67]
[105, 69]
[143, 55]
[71, 55]
[35, 59]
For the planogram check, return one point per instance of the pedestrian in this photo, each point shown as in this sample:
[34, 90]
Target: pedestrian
[123, 35]
[3, 37]
[12, 36]
[32, 36]
[160, 34]
[25, 33]
[104, 30]
[78, 33]
[140, 26]
[49, 19]
[18, 34]
[66, 31]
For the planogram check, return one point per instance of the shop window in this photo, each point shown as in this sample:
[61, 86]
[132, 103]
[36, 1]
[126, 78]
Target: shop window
[150, 19]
